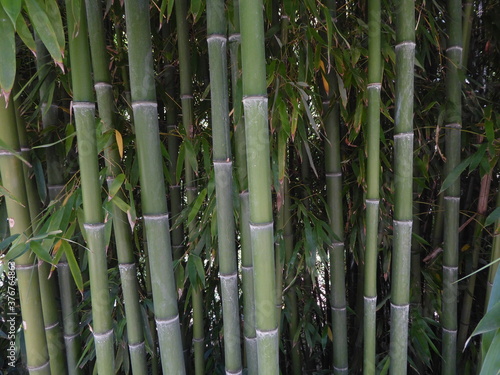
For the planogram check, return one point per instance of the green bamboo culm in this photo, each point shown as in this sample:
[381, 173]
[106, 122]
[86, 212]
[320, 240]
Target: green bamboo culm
[453, 125]
[154, 203]
[333, 172]
[403, 185]
[372, 182]
[247, 286]
[223, 170]
[26, 268]
[186, 94]
[85, 121]
[259, 183]
[121, 228]
[495, 254]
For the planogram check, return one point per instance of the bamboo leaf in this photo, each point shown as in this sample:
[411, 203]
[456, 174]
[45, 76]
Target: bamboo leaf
[45, 30]
[196, 9]
[494, 216]
[491, 364]
[167, 5]
[196, 205]
[12, 8]
[6, 243]
[8, 55]
[119, 142]
[73, 265]
[25, 34]
[40, 252]
[5, 192]
[120, 203]
[454, 174]
[116, 185]
[16, 251]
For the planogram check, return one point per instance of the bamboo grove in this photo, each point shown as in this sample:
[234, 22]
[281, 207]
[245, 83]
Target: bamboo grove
[249, 187]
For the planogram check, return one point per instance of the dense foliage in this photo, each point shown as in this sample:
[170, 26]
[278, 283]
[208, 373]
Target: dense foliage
[185, 128]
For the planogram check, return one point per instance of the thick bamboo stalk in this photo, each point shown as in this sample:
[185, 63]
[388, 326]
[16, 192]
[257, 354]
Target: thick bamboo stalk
[495, 254]
[84, 112]
[259, 183]
[26, 265]
[154, 203]
[453, 124]
[373, 186]
[403, 185]
[223, 169]
[121, 228]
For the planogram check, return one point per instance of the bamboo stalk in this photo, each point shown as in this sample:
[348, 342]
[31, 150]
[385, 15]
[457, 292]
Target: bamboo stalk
[26, 265]
[154, 203]
[453, 121]
[259, 182]
[223, 168]
[84, 112]
[122, 233]
[403, 185]
[372, 195]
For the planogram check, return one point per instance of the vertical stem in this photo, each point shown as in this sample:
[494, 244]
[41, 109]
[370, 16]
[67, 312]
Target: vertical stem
[403, 185]
[259, 182]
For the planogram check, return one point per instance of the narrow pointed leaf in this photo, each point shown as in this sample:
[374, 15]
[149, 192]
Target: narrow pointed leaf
[25, 34]
[73, 265]
[12, 8]
[8, 55]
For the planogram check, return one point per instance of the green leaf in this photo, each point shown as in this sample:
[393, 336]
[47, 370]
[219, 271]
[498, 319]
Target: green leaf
[16, 251]
[6, 243]
[491, 363]
[195, 269]
[196, 9]
[12, 8]
[8, 55]
[494, 216]
[120, 203]
[197, 205]
[116, 185]
[489, 322]
[43, 26]
[454, 174]
[73, 265]
[25, 34]
[40, 252]
[167, 5]
[4, 191]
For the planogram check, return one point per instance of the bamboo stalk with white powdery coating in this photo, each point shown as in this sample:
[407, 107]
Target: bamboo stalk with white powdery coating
[453, 121]
[403, 186]
[153, 197]
[84, 117]
[259, 184]
[372, 200]
[28, 287]
[223, 170]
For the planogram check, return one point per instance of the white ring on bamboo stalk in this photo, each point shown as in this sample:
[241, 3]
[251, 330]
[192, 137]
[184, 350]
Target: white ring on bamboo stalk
[238, 372]
[266, 333]
[400, 307]
[201, 339]
[25, 149]
[55, 187]
[338, 308]
[158, 217]
[25, 266]
[52, 326]
[404, 223]
[234, 37]
[452, 331]
[371, 201]
[223, 163]
[455, 48]
[38, 368]
[126, 266]
[216, 37]
[144, 103]
[83, 105]
[62, 264]
[406, 44]
[71, 337]
[233, 275]
[450, 268]
[137, 346]
[6, 153]
[454, 125]
[261, 225]
[186, 96]
[375, 85]
[247, 268]
[102, 85]
[340, 368]
[337, 244]
[166, 322]
[370, 299]
[334, 174]
[254, 99]
[100, 337]
[408, 135]
[93, 227]
[453, 199]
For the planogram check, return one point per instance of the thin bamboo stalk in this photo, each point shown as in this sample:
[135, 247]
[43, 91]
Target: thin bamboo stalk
[373, 185]
[186, 91]
[127, 267]
[154, 203]
[453, 121]
[259, 182]
[26, 265]
[403, 185]
[84, 111]
[223, 169]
